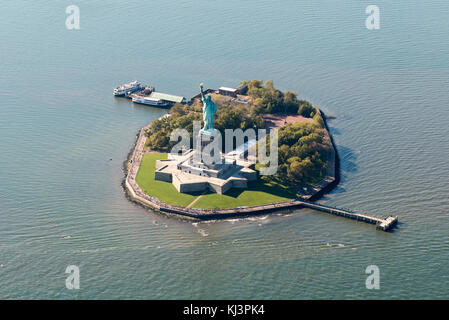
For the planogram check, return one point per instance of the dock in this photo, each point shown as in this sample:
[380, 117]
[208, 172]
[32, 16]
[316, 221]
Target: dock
[383, 224]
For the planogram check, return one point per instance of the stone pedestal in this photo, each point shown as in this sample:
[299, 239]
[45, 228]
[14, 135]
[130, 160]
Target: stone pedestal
[203, 140]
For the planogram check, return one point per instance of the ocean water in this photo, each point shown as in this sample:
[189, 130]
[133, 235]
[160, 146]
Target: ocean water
[63, 139]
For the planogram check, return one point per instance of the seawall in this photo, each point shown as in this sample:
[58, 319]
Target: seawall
[334, 162]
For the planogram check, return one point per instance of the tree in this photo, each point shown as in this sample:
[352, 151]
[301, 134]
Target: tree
[291, 104]
[178, 109]
[306, 109]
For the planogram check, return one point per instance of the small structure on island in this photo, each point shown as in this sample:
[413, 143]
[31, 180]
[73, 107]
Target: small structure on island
[169, 98]
[225, 91]
[204, 168]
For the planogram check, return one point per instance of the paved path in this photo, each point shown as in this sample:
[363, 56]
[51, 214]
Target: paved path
[194, 201]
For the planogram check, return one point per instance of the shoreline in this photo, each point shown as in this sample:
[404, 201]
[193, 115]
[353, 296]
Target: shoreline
[336, 164]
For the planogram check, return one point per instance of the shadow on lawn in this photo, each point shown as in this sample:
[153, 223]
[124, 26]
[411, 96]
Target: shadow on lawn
[274, 188]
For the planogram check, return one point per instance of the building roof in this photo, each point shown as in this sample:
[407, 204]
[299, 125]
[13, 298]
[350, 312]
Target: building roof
[227, 89]
[166, 97]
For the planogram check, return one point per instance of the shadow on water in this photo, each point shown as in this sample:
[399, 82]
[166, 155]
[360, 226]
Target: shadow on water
[334, 131]
[398, 226]
[348, 162]
[336, 190]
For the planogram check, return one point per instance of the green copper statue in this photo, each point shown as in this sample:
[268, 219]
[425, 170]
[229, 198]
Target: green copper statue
[209, 109]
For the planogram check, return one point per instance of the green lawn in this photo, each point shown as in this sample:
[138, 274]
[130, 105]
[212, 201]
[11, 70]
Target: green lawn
[258, 192]
[164, 191]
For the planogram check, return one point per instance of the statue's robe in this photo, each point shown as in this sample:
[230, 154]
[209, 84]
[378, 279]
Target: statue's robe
[209, 109]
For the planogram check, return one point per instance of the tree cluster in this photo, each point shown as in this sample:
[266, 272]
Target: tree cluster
[267, 99]
[303, 153]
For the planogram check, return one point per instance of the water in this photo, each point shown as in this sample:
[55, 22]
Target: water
[64, 138]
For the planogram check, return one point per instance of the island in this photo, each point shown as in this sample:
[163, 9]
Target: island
[185, 185]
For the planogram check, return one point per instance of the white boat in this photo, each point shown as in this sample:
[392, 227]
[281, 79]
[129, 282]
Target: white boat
[150, 101]
[143, 92]
[127, 88]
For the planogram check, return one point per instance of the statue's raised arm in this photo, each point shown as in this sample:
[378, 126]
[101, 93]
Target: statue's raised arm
[202, 92]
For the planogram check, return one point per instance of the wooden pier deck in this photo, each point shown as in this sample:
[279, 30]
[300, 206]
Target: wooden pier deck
[383, 224]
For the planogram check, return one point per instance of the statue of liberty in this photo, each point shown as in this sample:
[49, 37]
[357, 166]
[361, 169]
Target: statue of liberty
[209, 109]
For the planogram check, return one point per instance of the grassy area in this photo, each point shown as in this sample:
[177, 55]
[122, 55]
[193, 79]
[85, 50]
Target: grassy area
[164, 191]
[258, 192]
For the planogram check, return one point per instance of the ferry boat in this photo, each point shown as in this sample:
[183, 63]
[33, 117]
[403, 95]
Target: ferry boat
[149, 101]
[143, 92]
[127, 88]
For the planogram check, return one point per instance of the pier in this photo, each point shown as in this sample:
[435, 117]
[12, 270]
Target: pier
[383, 224]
